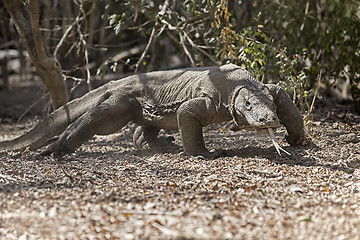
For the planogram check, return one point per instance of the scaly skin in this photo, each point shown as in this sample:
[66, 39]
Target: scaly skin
[184, 100]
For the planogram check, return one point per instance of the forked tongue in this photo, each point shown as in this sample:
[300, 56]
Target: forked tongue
[276, 145]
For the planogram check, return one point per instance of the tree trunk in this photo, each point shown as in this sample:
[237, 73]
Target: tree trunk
[25, 15]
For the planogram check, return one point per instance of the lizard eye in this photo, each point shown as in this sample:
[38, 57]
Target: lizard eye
[248, 105]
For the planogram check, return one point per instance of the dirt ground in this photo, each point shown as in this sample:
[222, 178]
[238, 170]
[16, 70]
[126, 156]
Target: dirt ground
[109, 190]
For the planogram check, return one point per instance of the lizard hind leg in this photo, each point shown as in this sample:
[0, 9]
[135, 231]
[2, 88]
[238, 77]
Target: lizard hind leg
[106, 118]
[146, 137]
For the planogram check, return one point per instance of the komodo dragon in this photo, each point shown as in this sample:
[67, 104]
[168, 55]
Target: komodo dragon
[185, 100]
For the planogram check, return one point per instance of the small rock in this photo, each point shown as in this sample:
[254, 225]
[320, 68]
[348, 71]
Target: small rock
[294, 188]
[353, 161]
[52, 212]
[349, 138]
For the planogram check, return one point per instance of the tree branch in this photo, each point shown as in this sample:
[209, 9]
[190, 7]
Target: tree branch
[152, 37]
[145, 51]
[48, 68]
[182, 38]
[39, 46]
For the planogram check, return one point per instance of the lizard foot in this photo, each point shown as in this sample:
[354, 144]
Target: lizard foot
[57, 149]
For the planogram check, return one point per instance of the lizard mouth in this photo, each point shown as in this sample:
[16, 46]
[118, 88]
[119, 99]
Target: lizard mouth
[264, 126]
[264, 130]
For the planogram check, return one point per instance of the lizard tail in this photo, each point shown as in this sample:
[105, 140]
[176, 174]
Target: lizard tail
[56, 122]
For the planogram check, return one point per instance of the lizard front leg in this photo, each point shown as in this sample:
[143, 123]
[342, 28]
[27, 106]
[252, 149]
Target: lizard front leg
[192, 115]
[288, 114]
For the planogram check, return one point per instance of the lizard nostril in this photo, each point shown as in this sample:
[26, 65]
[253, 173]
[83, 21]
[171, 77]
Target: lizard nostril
[262, 119]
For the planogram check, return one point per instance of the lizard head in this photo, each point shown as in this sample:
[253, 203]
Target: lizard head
[254, 106]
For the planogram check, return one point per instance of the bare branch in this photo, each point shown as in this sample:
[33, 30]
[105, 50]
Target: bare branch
[200, 50]
[315, 94]
[31, 106]
[188, 54]
[152, 36]
[65, 35]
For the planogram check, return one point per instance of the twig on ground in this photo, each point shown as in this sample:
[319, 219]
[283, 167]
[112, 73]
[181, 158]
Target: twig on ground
[8, 178]
[67, 174]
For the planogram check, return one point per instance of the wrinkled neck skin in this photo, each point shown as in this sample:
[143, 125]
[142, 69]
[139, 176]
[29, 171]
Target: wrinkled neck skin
[253, 107]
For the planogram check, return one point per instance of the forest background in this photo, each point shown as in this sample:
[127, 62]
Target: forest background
[301, 45]
[54, 51]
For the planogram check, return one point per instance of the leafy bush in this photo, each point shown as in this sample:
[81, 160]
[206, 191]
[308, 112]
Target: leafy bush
[287, 42]
[328, 30]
